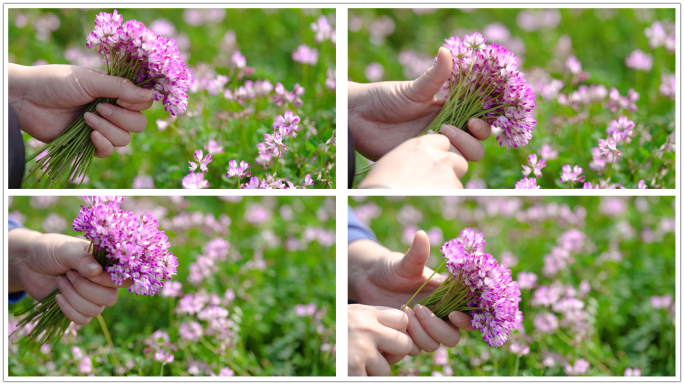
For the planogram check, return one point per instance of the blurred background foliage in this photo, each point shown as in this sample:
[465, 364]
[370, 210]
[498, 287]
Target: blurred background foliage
[627, 259]
[274, 264]
[266, 37]
[600, 39]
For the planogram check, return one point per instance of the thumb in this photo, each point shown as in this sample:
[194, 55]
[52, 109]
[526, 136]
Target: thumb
[429, 83]
[413, 262]
[97, 84]
[74, 255]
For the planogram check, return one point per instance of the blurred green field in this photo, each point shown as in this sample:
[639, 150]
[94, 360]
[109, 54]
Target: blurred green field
[266, 37]
[274, 263]
[600, 39]
[627, 259]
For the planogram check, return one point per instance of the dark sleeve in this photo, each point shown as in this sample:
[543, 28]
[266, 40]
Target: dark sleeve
[351, 160]
[14, 297]
[16, 155]
[357, 230]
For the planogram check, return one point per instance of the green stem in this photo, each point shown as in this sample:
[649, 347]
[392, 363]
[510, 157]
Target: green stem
[421, 287]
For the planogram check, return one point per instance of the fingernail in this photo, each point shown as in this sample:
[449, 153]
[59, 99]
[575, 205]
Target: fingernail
[144, 93]
[93, 268]
[123, 103]
[457, 318]
[448, 131]
[104, 109]
[91, 118]
[60, 282]
[420, 311]
[59, 299]
[71, 275]
[96, 279]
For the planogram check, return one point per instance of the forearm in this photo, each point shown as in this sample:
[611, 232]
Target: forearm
[19, 241]
[363, 255]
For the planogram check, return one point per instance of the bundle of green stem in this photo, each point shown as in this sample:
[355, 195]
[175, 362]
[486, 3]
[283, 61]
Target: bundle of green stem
[451, 295]
[46, 315]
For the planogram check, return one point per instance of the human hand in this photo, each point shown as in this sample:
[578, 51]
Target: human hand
[385, 114]
[391, 278]
[38, 263]
[48, 98]
[422, 162]
[377, 339]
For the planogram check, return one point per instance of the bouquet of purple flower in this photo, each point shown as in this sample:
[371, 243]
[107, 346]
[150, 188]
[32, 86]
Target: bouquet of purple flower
[127, 246]
[131, 51]
[485, 83]
[479, 285]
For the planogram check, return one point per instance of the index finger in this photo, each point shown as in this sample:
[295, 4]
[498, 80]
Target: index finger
[105, 280]
[479, 128]
[461, 320]
[393, 318]
[438, 329]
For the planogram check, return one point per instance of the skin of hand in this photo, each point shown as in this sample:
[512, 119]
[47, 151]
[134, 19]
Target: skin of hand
[420, 162]
[385, 114]
[38, 263]
[48, 98]
[377, 338]
[378, 276]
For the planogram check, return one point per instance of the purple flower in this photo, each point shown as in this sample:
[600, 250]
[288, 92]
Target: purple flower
[190, 331]
[623, 128]
[195, 181]
[573, 65]
[441, 356]
[642, 184]
[330, 80]
[519, 349]
[132, 246]
[163, 357]
[324, 31]
[143, 182]
[213, 148]
[632, 372]
[172, 289]
[527, 280]
[374, 72]
[526, 183]
[535, 166]
[282, 96]
[486, 284]
[308, 181]
[305, 55]
[639, 60]
[668, 85]
[201, 160]
[616, 101]
[580, 368]
[234, 170]
[546, 322]
[547, 152]
[305, 310]
[287, 124]
[572, 175]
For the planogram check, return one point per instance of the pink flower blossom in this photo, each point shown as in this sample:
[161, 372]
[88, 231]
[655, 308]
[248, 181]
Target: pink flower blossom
[526, 183]
[201, 160]
[195, 181]
[535, 166]
[639, 60]
[234, 170]
[572, 175]
[213, 148]
[305, 55]
[580, 368]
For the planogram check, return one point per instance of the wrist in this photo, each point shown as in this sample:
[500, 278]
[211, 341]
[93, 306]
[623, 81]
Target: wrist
[19, 241]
